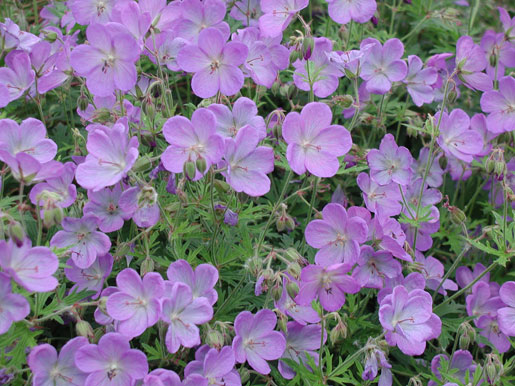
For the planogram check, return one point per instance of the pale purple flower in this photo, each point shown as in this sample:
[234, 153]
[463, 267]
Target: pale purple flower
[215, 366]
[61, 186]
[4, 95]
[163, 14]
[419, 81]
[244, 113]
[100, 315]
[50, 368]
[13, 307]
[277, 15]
[318, 70]
[373, 267]
[197, 16]
[82, 239]
[499, 53]
[247, 11]
[111, 155]
[137, 304]
[409, 320]
[506, 315]
[349, 62]
[313, 143]
[130, 15]
[256, 342]
[385, 198]
[375, 359]
[91, 278]
[499, 106]
[18, 76]
[456, 138]
[337, 235]
[390, 162]
[231, 218]
[478, 123]
[433, 271]
[164, 47]
[201, 281]
[11, 36]
[215, 64]
[91, 11]
[192, 140]
[247, 163]
[389, 234]
[508, 24]
[434, 177]
[104, 204]
[462, 361]
[108, 61]
[111, 362]
[300, 340]
[162, 377]
[425, 228]
[141, 204]
[383, 65]
[343, 11]
[470, 62]
[490, 330]
[327, 284]
[464, 275]
[411, 282]
[31, 268]
[287, 305]
[183, 313]
[482, 302]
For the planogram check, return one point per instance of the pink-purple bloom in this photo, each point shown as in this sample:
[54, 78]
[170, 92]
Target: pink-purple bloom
[419, 81]
[244, 113]
[18, 76]
[277, 15]
[343, 11]
[373, 267]
[141, 204]
[104, 204]
[216, 366]
[91, 278]
[196, 16]
[13, 307]
[499, 106]
[470, 62]
[390, 162]
[506, 315]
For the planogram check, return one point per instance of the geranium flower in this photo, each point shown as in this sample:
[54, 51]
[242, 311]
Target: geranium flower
[247, 12]
[288, 306]
[385, 198]
[13, 307]
[390, 162]
[61, 185]
[433, 271]
[215, 64]
[91, 278]
[343, 11]
[277, 15]
[506, 315]
[373, 267]
[18, 76]
[419, 81]
[216, 366]
[499, 106]
[197, 16]
[141, 204]
[313, 143]
[104, 204]
[92, 11]
[470, 62]
[462, 361]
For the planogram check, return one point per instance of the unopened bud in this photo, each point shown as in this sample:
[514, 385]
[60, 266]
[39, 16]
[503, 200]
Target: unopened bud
[308, 44]
[84, 329]
[452, 96]
[344, 101]
[493, 60]
[493, 369]
[189, 170]
[102, 304]
[122, 249]
[102, 115]
[244, 375]
[52, 216]
[146, 266]
[51, 36]
[148, 107]
[294, 56]
[277, 292]
[294, 269]
[215, 339]
[415, 381]
[282, 322]
[82, 102]
[293, 289]
[142, 164]
[221, 186]
[16, 233]
[201, 165]
[458, 217]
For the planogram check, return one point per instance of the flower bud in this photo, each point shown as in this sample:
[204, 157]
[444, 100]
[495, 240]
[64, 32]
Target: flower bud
[122, 249]
[308, 44]
[16, 233]
[254, 265]
[215, 339]
[493, 369]
[84, 329]
[189, 170]
[102, 115]
[294, 56]
[52, 216]
[221, 186]
[344, 101]
[495, 163]
[201, 164]
[292, 288]
[282, 322]
[146, 266]
[493, 59]
[294, 269]
[82, 102]
[142, 164]
[338, 332]
[458, 217]
[244, 374]
[277, 292]
[51, 36]
[468, 335]
[148, 107]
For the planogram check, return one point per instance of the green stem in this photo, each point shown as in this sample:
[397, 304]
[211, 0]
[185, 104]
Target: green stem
[40, 227]
[62, 310]
[350, 35]
[451, 270]
[320, 359]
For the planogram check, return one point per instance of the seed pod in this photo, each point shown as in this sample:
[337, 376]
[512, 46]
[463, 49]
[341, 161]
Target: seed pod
[221, 186]
[277, 292]
[189, 170]
[458, 217]
[215, 339]
[146, 266]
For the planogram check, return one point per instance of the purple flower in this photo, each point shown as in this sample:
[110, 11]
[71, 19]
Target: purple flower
[91, 278]
[141, 204]
[499, 104]
[104, 204]
[82, 239]
[197, 16]
[215, 64]
[313, 143]
[508, 24]
[256, 341]
[13, 37]
[201, 281]
[461, 360]
[419, 81]
[111, 362]
[318, 70]
[100, 315]
[61, 186]
[412, 281]
[183, 313]
[456, 138]
[231, 218]
[482, 302]
[108, 61]
[131, 16]
[300, 340]
[373, 267]
[165, 47]
[50, 368]
[301, 314]
[328, 284]
[163, 14]
[18, 76]
[499, 52]
[248, 164]
[111, 156]
[247, 11]
[490, 330]
[388, 232]
[216, 366]
[375, 359]
[384, 198]
[470, 62]
[464, 275]
[382, 65]
[409, 320]
[390, 162]
[92, 11]
[162, 377]
[190, 141]
[277, 15]
[435, 175]
[137, 304]
[343, 11]
[13, 307]
[244, 113]
[433, 271]
[32, 268]
[337, 235]
[27, 138]
[506, 315]
[4, 95]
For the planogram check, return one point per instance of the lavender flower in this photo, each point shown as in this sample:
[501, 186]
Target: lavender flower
[343, 11]
[506, 315]
[419, 81]
[277, 15]
[384, 198]
[470, 62]
[288, 306]
[92, 11]
[141, 204]
[256, 342]
[13, 307]
[461, 360]
[215, 366]
[313, 143]
[196, 15]
[375, 359]
[201, 281]
[433, 271]
[390, 162]
[91, 278]
[499, 105]
[82, 239]
[61, 186]
[50, 368]
[18, 76]
[373, 267]
[110, 362]
[104, 204]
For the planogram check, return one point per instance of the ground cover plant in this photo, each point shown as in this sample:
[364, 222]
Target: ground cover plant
[257, 192]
